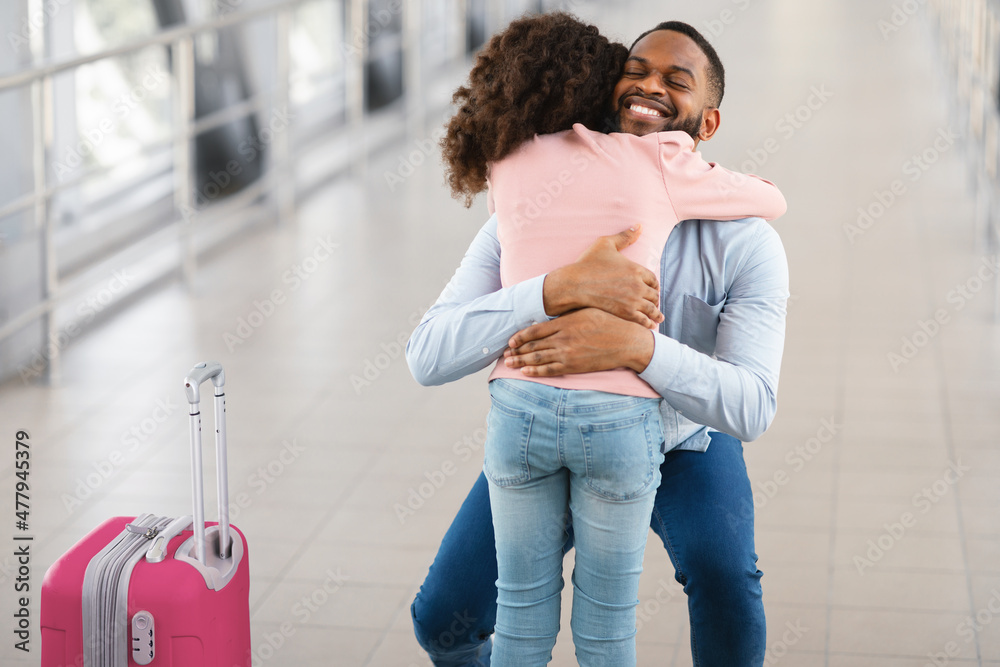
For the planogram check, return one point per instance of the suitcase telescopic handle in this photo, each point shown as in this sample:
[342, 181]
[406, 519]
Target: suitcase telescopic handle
[202, 372]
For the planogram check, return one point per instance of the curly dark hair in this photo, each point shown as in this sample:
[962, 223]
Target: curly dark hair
[540, 75]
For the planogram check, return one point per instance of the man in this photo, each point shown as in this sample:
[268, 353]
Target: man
[715, 361]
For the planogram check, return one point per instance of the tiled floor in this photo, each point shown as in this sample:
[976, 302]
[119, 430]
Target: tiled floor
[322, 378]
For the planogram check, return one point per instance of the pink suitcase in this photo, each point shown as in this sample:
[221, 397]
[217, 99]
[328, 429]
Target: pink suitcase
[151, 590]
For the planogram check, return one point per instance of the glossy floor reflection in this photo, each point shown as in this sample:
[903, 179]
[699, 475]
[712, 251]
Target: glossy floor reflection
[877, 487]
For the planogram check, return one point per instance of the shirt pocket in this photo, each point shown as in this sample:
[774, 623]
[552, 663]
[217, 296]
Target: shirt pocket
[700, 323]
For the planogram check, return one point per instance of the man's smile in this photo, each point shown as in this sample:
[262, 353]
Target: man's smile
[645, 108]
[645, 111]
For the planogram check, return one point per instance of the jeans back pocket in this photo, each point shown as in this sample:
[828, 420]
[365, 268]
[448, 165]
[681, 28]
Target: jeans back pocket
[505, 459]
[623, 456]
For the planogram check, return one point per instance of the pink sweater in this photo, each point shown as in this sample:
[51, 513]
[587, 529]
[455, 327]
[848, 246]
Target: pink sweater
[557, 193]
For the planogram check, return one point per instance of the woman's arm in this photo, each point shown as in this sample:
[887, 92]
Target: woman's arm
[706, 191]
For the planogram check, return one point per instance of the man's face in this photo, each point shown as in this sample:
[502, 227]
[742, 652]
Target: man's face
[663, 87]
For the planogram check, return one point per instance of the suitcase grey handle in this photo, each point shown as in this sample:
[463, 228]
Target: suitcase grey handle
[199, 374]
[192, 387]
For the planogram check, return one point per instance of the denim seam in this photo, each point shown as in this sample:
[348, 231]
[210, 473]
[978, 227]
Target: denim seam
[561, 426]
[615, 405]
[508, 386]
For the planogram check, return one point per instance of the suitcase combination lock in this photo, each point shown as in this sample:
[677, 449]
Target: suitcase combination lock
[143, 638]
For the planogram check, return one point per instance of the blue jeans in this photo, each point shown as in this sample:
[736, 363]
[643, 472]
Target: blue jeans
[703, 513]
[553, 456]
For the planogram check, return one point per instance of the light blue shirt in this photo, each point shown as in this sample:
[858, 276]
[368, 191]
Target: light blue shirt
[716, 358]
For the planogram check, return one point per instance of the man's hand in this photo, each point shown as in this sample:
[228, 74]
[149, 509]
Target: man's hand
[605, 279]
[580, 342]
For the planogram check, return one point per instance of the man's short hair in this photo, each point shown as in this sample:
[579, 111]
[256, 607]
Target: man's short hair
[716, 72]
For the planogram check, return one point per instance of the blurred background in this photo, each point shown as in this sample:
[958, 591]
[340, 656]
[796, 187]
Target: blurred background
[258, 182]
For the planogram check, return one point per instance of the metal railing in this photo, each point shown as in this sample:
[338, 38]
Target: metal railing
[276, 183]
[186, 128]
[969, 32]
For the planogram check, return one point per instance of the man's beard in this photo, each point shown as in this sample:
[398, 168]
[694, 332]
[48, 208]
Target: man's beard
[690, 125]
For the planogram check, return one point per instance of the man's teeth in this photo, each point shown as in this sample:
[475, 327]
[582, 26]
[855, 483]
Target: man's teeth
[646, 111]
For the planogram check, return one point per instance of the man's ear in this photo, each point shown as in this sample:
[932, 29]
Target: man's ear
[710, 120]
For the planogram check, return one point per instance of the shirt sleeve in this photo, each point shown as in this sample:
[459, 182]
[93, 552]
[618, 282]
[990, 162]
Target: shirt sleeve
[704, 190]
[736, 390]
[468, 327]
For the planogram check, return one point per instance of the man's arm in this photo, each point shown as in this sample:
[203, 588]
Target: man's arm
[733, 392]
[468, 327]
[603, 278]
[736, 390]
